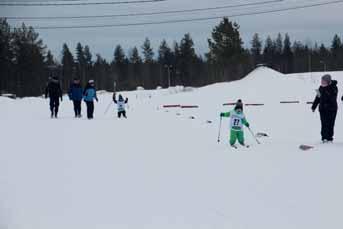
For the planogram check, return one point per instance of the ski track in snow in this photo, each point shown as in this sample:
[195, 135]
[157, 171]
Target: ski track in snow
[158, 169]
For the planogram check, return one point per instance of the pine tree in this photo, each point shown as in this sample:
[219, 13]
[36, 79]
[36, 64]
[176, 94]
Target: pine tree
[80, 62]
[269, 52]
[119, 55]
[49, 59]
[278, 45]
[165, 55]
[88, 62]
[256, 49]
[287, 55]
[29, 52]
[226, 43]
[186, 59]
[134, 57]
[6, 56]
[148, 52]
[337, 53]
[119, 68]
[68, 66]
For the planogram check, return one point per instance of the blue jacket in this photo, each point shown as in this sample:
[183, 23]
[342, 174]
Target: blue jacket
[75, 92]
[90, 94]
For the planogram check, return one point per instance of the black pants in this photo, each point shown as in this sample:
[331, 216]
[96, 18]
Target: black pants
[120, 113]
[328, 119]
[90, 109]
[54, 104]
[77, 108]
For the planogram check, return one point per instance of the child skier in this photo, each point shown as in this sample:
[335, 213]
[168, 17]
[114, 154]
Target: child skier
[237, 122]
[89, 95]
[120, 105]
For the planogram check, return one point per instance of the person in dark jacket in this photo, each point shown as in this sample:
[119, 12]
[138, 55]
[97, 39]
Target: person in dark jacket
[120, 105]
[89, 95]
[76, 95]
[54, 92]
[327, 100]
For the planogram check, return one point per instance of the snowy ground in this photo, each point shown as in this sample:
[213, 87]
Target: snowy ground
[161, 169]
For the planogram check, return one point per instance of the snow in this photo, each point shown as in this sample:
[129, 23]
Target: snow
[161, 169]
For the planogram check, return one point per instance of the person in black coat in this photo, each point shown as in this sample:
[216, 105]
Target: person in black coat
[327, 100]
[54, 91]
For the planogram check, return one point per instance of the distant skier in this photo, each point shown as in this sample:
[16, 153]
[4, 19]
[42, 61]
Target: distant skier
[89, 95]
[327, 100]
[54, 92]
[237, 121]
[120, 105]
[76, 94]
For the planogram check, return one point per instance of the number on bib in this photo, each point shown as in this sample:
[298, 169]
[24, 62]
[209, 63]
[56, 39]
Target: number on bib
[236, 122]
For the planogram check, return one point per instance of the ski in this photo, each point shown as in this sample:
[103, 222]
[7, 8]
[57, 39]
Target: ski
[306, 147]
[244, 146]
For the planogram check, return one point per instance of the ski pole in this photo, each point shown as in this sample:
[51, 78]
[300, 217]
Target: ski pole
[114, 91]
[220, 127]
[252, 133]
[108, 107]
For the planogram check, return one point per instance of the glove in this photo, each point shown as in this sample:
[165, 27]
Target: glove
[248, 125]
[61, 99]
[222, 114]
[97, 100]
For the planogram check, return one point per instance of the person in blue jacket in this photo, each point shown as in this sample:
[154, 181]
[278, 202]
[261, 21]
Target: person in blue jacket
[89, 95]
[76, 94]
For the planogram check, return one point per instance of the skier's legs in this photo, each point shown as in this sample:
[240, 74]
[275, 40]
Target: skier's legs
[57, 104]
[324, 122]
[233, 137]
[51, 105]
[88, 109]
[119, 114]
[331, 124]
[75, 107]
[79, 108]
[240, 137]
[124, 114]
[91, 109]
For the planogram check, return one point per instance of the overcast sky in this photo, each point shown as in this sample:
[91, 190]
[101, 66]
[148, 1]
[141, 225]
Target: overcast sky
[312, 24]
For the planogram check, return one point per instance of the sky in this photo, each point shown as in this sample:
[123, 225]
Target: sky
[318, 24]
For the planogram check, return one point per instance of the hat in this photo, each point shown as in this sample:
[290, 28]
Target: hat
[90, 81]
[239, 105]
[327, 78]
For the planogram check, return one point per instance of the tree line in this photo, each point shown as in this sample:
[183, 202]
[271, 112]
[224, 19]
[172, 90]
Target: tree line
[26, 63]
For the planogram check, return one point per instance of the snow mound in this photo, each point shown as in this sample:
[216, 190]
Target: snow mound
[264, 74]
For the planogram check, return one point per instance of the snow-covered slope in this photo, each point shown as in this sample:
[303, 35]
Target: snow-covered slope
[162, 169]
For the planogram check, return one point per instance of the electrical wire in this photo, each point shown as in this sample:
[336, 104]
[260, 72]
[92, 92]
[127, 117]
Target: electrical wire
[189, 20]
[80, 3]
[147, 13]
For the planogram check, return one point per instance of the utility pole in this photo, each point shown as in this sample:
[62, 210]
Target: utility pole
[324, 65]
[168, 67]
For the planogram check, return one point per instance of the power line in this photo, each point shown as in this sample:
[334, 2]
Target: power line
[147, 13]
[80, 3]
[189, 20]
[47, 1]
